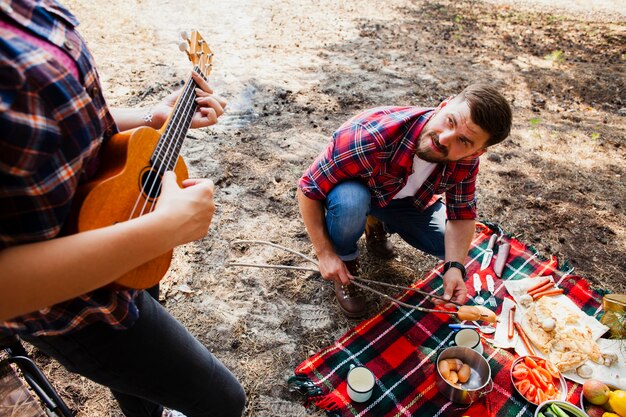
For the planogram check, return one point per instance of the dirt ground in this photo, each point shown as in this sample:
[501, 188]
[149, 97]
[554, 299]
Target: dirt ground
[293, 71]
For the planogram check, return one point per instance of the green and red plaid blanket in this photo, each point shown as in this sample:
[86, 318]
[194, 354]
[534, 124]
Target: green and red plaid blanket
[400, 345]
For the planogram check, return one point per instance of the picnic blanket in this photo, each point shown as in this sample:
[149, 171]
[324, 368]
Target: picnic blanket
[400, 345]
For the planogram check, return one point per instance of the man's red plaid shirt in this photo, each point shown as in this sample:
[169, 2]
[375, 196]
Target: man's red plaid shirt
[377, 147]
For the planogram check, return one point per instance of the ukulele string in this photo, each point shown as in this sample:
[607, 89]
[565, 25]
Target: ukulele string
[170, 138]
[180, 128]
[161, 167]
[173, 135]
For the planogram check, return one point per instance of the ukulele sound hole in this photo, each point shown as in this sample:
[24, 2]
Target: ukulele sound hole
[151, 184]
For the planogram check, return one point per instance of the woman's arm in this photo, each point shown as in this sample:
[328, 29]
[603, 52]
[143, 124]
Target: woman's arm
[210, 107]
[41, 274]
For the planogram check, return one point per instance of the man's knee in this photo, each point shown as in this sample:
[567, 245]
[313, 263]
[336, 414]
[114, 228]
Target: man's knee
[349, 197]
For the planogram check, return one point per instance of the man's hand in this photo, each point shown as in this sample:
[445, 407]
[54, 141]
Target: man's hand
[209, 106]
[333, 269]
[454, 288]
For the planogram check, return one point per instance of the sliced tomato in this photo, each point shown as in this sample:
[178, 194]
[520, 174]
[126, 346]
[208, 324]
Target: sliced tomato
[541, 396]
[551, 391]
[545, 375]
[523, 386]
[532, 377]
[531, 393]
[530, 362]
[520, 373]
[521, 365]
[541, 383]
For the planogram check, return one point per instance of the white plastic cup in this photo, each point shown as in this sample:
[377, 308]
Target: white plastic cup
[469, 338]
[360, 383]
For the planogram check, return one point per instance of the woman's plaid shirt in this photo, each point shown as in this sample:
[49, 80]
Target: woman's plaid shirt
[377, 147]
[51, 129]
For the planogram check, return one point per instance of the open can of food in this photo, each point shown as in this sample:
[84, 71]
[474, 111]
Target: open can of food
[476, 383]
[614, 317]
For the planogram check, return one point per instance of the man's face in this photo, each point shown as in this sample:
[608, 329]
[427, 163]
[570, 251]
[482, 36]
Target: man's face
[451, 135]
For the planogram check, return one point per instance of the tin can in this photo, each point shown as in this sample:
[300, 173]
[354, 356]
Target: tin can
[614, 317]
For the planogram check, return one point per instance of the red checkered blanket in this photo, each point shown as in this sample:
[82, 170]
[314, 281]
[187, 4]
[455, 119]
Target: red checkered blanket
[400, 345]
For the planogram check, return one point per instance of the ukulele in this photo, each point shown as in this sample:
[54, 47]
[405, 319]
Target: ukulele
[128, 182]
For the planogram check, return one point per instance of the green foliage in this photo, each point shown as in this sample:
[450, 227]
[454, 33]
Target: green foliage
[556, 56]
[535, 121]
[457, 22]
[595, 136]
[552, 19]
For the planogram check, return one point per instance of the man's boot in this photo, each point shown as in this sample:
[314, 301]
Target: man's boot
[350, 299]
[376, 239]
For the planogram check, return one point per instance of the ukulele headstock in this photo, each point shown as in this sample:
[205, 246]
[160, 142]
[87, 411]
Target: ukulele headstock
[198, 51]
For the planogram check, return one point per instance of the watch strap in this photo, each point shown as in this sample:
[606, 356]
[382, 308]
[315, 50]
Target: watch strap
[454, 264]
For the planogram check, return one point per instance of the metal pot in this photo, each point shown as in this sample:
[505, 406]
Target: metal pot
[479, 384]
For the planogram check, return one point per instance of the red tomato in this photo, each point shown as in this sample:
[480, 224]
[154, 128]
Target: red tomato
[521, 365]
[520, 373]
[523, 386]
[541, 383]
[531, 393]
[541, 396]
[545, 375]
[530, 362]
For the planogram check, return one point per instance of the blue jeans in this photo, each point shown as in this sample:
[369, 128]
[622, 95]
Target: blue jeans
[156, 362]
[349, 203]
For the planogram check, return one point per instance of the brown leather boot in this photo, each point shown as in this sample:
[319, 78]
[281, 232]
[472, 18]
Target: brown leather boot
[376, 239]
[351, 300]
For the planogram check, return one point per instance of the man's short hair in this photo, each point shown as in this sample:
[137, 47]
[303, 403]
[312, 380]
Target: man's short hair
[489, 110]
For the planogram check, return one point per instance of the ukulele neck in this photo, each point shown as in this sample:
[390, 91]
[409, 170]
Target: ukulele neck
[175, 128]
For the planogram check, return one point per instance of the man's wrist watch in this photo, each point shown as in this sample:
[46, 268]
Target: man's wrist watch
[454, 264]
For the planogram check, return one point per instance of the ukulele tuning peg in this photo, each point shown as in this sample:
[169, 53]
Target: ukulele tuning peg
[184, 35]
[183, 46]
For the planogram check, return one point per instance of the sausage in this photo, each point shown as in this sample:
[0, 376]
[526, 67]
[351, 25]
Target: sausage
[501, 257]
[511, 322]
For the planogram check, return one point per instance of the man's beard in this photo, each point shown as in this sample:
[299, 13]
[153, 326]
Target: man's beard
[425, 151]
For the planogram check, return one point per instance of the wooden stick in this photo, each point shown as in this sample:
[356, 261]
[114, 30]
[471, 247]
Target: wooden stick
[265, 242]
[366, 287]
[301, 268]
[525, 340]
[403, 304]
[401, 287]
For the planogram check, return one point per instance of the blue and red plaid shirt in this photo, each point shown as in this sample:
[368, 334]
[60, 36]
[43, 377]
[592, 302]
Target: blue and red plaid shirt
[51, 128]
[377, 147]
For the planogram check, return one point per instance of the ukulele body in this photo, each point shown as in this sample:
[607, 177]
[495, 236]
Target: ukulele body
[117, 194]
